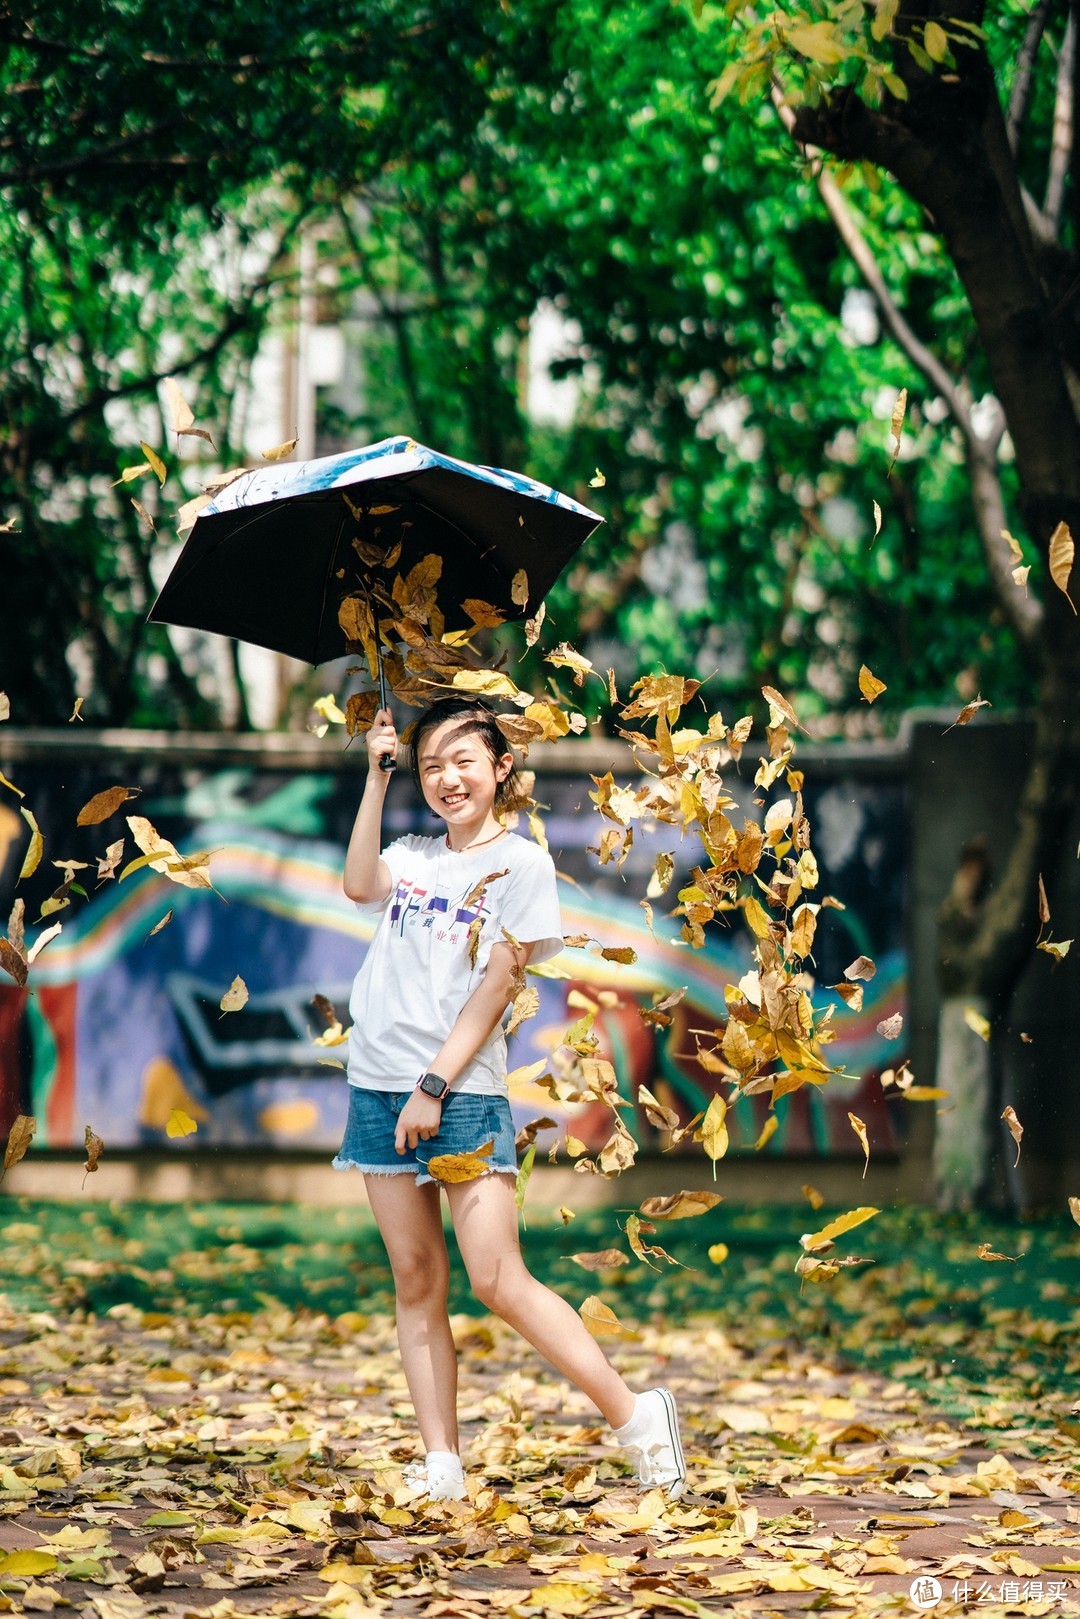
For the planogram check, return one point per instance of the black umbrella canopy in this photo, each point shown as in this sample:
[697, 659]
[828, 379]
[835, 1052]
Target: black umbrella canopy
[276, 552]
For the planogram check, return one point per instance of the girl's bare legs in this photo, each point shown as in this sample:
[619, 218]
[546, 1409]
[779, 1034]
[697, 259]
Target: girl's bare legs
[410, 1224]
[486, 1225]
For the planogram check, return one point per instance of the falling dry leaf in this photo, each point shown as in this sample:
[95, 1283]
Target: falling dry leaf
[94, 1149]
[1015, 1129]
[235, 996]
[897, 423]
[1044, 904]
[1062, 553]
[597, 481]
[157, 927]
[1074, 1208]
[861, 967]
[836, 1228]
[679, 1205]
[280, 451]
[76, 712]
[606, 1259]
[104, 804]
[967, 713]
[519, 588]
[157, 465]
[183, 418]
[870, 686]
[180, 1123]
[864, 1141]
[889, 1028]
[601, 1321]
[984, 1251]
[718, 1252]
[813, 1196]
[36, 847]
[20, 1136]
[1058, 948]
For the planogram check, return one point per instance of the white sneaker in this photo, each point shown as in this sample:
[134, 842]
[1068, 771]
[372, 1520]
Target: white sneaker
[439, 1475]
[651, 1441]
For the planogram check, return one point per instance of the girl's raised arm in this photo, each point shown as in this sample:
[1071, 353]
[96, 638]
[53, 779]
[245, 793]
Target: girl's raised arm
[367, 878]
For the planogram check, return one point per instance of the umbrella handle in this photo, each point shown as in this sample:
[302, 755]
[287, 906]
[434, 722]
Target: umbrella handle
[386, 764]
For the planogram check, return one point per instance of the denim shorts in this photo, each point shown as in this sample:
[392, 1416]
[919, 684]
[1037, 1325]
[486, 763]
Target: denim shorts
[468, 1122]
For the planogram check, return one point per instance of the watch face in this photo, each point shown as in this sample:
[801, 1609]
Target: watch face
[432, 1085]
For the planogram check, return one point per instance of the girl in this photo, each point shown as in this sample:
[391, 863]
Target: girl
[427, 1075]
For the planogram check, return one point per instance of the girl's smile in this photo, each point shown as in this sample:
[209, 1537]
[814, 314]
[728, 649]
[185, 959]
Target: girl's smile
[460, 779]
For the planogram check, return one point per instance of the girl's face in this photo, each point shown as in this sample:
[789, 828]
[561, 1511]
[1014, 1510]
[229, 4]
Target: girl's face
[457, 773]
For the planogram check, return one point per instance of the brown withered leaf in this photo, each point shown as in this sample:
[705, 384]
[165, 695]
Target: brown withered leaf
[529, 1131]
[476, 927]
[776, 700]
[519, 588]
[1044, 904]
[619, 952]
[659, 1013]
[526, 1005]
[280, 451]
[477, 892]
[644, 1251]
[14, 962]
[984, 1251]
[1015, 1129]
[968, 711]
[360, 711]
[851, 994]
[533, 625]
[606, 1259]
[897, 424]
[20, 1136]
[679, 1205]
[94, 1149]
[104, 804]
[1061, 556]
[567, 657]
[659, 1116]
[889, 1028]
[165, 920]
[483, 613]
[235, 997]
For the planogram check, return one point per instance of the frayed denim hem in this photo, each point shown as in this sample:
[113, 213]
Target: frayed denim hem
[374, 1169]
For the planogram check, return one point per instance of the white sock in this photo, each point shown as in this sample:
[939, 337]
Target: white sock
[630, 1429]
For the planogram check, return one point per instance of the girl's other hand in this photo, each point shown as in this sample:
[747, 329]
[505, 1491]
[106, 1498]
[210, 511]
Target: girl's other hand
[418, 1120]
[382, 738]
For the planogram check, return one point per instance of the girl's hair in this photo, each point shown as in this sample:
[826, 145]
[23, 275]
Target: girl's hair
[475, 719]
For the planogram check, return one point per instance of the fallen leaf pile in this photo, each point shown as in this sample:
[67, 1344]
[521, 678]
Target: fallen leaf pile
[219, 1450]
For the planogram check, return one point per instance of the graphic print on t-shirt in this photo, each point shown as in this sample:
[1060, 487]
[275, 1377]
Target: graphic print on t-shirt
[449, 919]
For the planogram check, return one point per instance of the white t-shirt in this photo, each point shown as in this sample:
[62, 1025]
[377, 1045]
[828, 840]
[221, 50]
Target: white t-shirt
[416, 976]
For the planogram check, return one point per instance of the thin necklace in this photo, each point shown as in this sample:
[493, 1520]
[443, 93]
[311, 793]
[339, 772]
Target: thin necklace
[479, 845]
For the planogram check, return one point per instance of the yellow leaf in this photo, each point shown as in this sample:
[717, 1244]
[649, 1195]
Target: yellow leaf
[157, 465]
[486, 682]
[984, 1251]
[235, 996]
[598, 480]
[718, 1252]
[977, 1023]
[183, 417]
[860, 1130]
[780, 705]
[328, 708]
[836, 1228]
[870, 686]
[27, 1563]
[818, 41]
[757, 917]
[804, 926]
[924, 1093]
[813, 1196]
[1074, 1208]
[714, 1135]
[129, 474]
[180, 1123]
[1059, 948]
[36, 847]
[567, 657]
[768, 1130]
[519, 588]
[280, 451]
[602, 1322]
[454, 1167]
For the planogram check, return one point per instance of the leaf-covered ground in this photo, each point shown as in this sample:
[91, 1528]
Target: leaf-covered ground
[203, 1413]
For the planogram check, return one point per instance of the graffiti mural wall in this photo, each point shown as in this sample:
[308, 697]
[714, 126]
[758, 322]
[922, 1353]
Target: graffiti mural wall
[119, 1024]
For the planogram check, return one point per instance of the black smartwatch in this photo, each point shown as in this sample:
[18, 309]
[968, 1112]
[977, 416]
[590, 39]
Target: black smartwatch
[433, 1085]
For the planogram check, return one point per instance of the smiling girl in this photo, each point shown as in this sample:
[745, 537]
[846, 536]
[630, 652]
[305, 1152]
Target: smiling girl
[461, 915]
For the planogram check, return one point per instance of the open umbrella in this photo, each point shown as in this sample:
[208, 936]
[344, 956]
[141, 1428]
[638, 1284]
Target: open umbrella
[273, 555]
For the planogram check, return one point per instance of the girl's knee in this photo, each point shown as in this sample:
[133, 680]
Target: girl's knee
[497, 1285]
[420, 1276]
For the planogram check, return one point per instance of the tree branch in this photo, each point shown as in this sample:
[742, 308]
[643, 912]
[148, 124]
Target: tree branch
[1062, 139]
[1023, 77]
